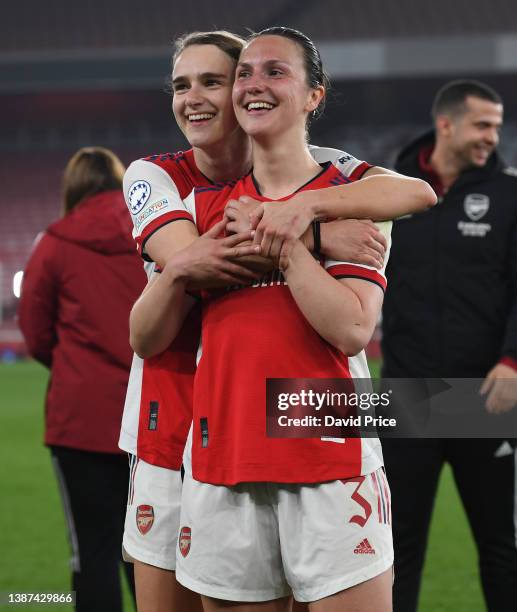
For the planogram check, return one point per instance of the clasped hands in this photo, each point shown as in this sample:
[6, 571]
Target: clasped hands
[280, 226]
[254, 237]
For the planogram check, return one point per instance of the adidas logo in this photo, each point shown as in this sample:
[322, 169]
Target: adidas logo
[364, 548]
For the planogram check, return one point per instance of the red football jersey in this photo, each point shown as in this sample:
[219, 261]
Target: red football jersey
[249, 334]
[158, 407]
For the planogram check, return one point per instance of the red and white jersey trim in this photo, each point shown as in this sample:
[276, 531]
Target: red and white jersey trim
[353, 270]
[154, 195]
[347, 164]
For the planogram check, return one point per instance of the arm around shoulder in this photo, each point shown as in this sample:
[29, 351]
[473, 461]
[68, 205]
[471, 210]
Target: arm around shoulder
[417, 193]
[379, 195]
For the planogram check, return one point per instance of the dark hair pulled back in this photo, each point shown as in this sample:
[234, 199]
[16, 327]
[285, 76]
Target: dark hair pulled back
[316, 76]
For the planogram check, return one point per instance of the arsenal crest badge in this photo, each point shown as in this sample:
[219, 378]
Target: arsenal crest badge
[184, 540]
[144, 518]
[476, 205]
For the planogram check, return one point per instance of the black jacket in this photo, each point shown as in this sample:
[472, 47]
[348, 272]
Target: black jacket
[451, 305]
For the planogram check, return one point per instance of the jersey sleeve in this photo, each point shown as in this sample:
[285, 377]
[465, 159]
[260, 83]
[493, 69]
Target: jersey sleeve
[153, 200]
[347, 164]
[344, 269]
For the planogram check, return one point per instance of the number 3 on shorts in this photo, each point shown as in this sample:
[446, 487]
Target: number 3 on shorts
[359, 519]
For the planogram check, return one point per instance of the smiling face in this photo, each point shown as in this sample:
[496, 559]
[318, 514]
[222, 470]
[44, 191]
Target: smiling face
[271, 94]
[473, 135]
[202, 81]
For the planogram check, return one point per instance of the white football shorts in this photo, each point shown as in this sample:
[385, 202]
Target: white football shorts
[263, 541]
[152, 516]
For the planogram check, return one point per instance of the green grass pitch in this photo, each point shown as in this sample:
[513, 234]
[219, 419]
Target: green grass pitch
[33, 545]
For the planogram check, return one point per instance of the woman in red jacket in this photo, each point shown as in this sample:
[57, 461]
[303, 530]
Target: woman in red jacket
[81, 280]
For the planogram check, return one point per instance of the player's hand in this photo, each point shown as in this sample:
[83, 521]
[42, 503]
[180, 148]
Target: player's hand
[277, 222]
[238, 214]
[356, 241]
[211, 261]
[500, 388]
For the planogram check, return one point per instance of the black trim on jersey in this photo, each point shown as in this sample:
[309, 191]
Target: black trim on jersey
[145, 256]
[341, 179]
[206, 177]
[316, 236]
[370, 280]
[214, 187]
[153, 415]
[203, 422]
[324, 167]
[163, 157]
[219, 186]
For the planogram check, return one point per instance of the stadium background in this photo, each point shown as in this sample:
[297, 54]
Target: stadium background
[93, 73]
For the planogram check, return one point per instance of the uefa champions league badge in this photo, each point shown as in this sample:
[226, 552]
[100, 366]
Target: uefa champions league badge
[138, 195]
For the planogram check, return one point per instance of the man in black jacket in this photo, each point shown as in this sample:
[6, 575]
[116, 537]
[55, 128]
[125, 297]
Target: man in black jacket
[451, 311]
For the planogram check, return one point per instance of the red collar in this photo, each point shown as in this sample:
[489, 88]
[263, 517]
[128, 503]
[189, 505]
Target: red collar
[424, 161]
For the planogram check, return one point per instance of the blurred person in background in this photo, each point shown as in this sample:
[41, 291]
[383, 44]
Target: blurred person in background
[81, 280]
[451, 311]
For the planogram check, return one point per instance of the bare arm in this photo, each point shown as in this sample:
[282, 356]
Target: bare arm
[380, 195]
[158, 314]
[344, 312]
[169, 239]
[356, 241]
[165, 242]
